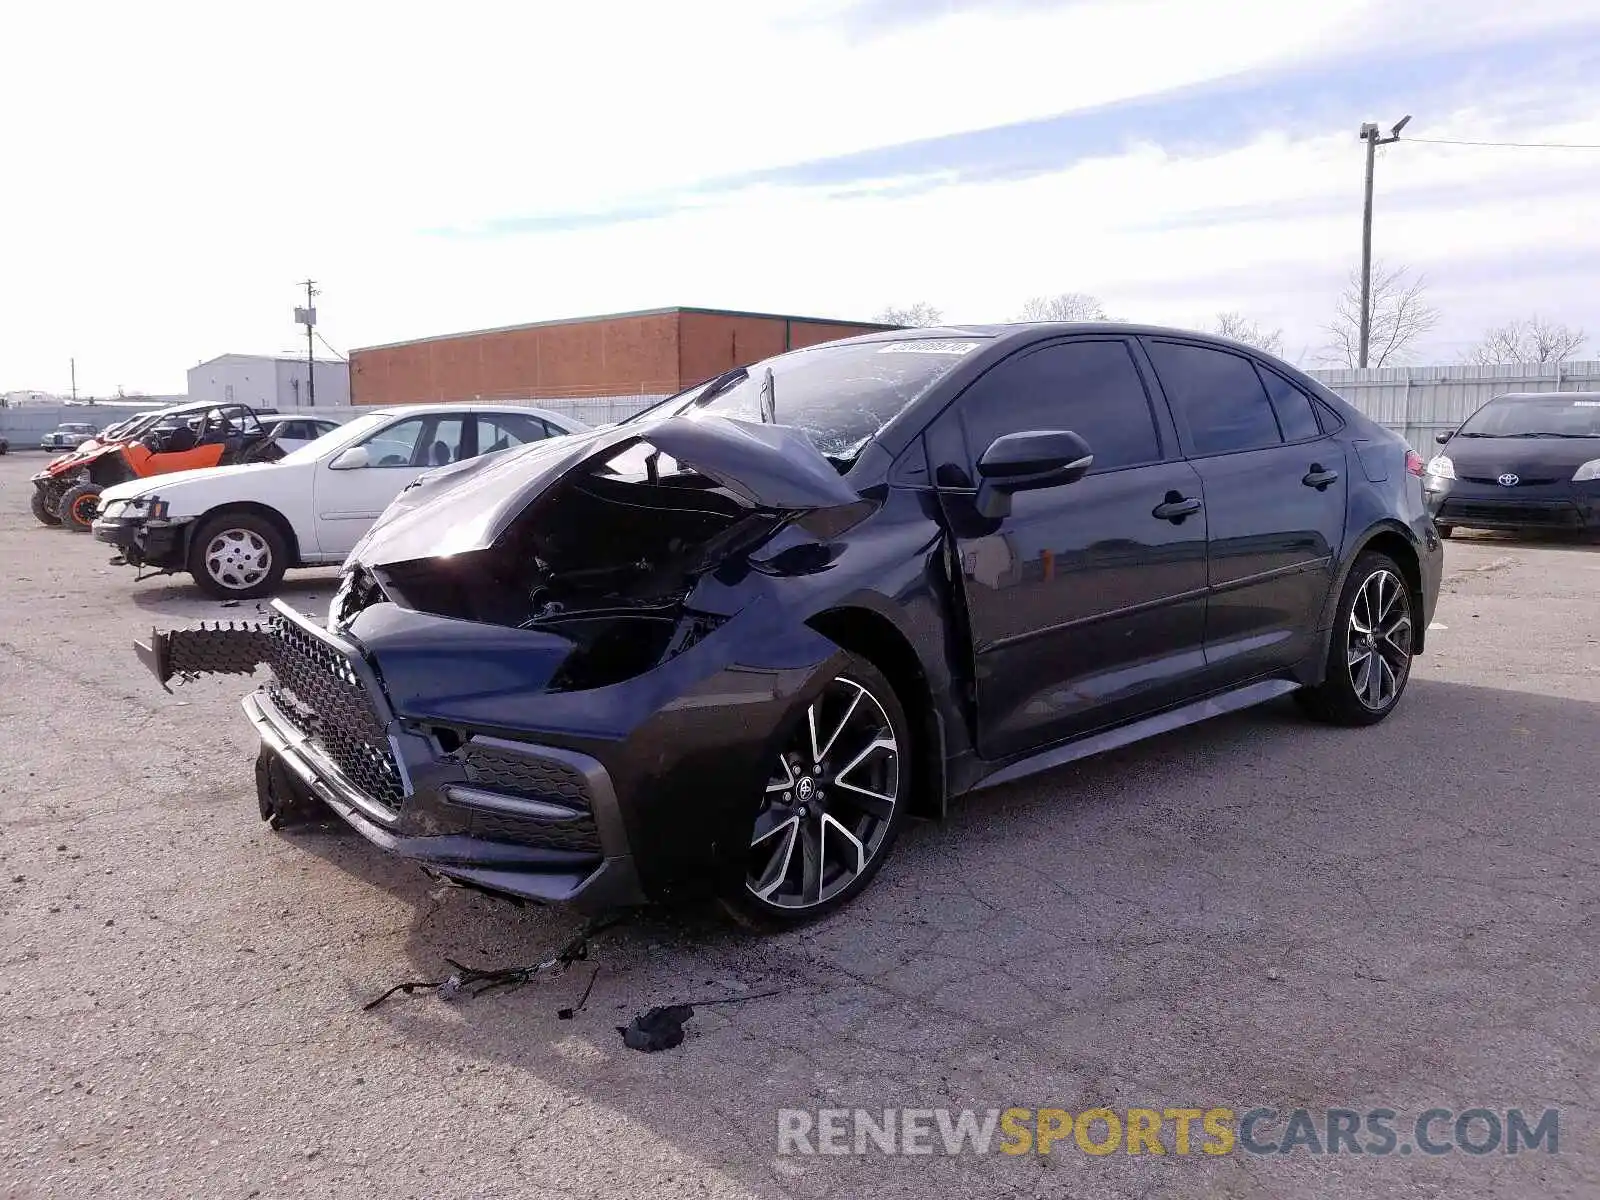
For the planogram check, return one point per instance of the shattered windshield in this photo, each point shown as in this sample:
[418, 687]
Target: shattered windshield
[839, 395]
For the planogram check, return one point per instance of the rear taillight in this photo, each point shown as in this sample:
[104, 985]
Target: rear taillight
[1413, 463]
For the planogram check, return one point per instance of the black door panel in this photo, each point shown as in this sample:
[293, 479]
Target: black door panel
[1275, 503]
[1085, 608]
[1273, 545]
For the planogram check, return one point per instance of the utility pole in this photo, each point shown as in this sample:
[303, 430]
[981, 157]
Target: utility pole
[1369, 134]
[307, 316]
[74, 363]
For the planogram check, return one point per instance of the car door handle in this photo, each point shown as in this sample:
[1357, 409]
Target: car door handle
[1319, 478]
[1176, 507]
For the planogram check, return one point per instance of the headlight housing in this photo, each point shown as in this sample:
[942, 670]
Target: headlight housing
[1589, 470]
[145, 508]
[1441, 467]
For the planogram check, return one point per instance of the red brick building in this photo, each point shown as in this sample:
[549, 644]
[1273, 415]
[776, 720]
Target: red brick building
[651, 353]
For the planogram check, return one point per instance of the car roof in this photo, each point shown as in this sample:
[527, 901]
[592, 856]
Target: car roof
[1027, 330]
[561, 418]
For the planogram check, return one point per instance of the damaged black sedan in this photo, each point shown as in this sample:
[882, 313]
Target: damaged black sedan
[731, 645]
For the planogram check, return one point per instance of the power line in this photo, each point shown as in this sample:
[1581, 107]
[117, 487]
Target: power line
[1510, 145]
[331, 350]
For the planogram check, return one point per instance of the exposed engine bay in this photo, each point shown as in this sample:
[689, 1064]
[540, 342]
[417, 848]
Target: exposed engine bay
[604, 559]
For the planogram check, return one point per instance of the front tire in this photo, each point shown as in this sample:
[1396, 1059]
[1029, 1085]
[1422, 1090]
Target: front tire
[238, 556]
[1369, 654]
[833, 804]
[39, 502]
[78, 506]
[283, 801]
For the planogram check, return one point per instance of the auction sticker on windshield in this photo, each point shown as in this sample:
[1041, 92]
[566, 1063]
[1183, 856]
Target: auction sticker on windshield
[929, 346]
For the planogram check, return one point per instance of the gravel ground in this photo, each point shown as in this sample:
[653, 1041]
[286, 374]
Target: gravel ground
[1258, 911]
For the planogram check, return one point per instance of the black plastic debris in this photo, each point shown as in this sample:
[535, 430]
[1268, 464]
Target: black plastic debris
[659, 1029]
[566, 1014]
[662, 1027]
[465, 982]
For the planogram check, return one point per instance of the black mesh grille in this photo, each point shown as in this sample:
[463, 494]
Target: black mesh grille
[522, 775]
[578, 835]
[532, 777]
[316, 687]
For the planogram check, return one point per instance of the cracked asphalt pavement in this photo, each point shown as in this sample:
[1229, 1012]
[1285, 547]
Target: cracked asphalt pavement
[1255, 911]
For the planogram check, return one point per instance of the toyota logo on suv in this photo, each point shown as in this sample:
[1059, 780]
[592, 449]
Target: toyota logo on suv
[1508, 480]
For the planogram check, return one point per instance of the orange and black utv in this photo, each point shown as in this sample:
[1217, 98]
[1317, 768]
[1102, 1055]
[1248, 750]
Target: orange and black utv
[181, 438]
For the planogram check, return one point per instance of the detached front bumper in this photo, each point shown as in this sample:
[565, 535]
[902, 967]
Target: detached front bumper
[144, 543]
[532, 821]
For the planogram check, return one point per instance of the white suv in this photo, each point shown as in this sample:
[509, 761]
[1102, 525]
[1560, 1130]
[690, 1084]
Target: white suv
[237, 529]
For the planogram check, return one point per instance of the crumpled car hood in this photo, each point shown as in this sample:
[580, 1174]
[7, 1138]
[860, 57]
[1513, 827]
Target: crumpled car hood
[467, 506]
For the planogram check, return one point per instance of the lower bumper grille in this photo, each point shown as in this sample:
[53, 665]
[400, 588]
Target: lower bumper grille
[1551, 515]
[318, 690]
[523, 772]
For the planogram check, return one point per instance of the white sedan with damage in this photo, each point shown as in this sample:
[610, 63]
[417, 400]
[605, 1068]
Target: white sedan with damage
[237, 529]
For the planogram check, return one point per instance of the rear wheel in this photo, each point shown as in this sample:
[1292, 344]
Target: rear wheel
[833, 803]
[238, 556]
[1369, 656]
[43, 508]
[78, 506]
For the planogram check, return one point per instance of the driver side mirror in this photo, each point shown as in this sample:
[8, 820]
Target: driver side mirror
[1445, 437]
[351, 459]
[1025, 462]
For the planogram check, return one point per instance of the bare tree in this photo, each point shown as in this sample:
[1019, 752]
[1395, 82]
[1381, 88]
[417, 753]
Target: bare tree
[918, 315]
[1067, 306]
[1241, 329]
[1532, 341]
[1400, 315]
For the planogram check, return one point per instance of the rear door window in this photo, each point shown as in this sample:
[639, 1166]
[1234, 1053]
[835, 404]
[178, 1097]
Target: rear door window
[1297, 420]
[501, 431]
[1217, 396]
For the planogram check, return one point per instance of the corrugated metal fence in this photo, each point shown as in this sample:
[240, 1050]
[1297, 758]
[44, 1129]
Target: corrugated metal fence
[1419, 402]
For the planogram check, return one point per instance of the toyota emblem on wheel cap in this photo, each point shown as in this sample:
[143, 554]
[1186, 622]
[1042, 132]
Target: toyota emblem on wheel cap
[1509, 480]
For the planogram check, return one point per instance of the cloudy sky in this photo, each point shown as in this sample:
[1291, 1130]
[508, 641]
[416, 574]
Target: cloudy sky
[171, 170]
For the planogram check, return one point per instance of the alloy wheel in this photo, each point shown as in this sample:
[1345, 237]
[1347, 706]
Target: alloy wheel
[830, 801]
[1378, 642]
[238, 558]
